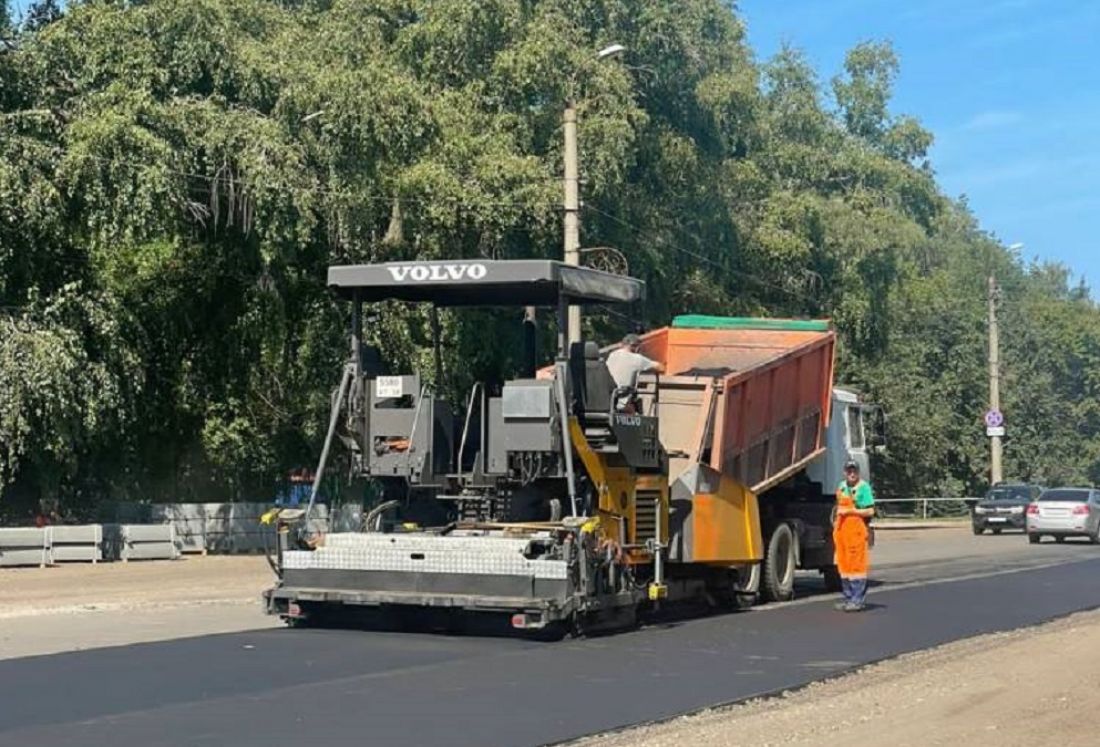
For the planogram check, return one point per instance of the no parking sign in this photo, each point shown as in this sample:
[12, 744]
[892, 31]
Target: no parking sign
[994, 423]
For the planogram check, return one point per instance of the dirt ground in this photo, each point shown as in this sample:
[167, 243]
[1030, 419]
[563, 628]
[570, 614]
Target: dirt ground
[1028, 687]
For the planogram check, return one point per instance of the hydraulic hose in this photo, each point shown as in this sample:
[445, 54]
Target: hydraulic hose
[375, 514]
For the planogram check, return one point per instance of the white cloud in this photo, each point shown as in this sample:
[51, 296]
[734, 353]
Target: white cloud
[1058, 170]
[998, 173]
[1086, 206]
[993, 119]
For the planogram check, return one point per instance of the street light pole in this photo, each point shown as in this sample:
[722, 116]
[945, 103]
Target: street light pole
[572, 199]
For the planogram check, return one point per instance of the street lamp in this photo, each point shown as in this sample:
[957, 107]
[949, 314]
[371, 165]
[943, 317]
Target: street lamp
[571, 202]
[610, 51]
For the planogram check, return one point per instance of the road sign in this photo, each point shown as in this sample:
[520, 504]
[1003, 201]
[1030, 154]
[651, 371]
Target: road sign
[995, 431]
[994, 419]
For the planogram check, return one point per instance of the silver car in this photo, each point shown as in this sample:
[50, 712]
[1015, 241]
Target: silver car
[1065, 512]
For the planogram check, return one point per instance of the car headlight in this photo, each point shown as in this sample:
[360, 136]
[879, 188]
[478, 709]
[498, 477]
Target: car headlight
[979, 510]
[1017, 509]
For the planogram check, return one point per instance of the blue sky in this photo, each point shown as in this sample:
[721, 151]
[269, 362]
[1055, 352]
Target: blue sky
[1010, 88]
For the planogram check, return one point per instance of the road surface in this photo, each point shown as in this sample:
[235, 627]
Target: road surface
[277, 686]
[1020, 688]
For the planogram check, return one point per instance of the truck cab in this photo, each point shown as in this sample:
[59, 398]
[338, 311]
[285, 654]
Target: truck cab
[854, 432]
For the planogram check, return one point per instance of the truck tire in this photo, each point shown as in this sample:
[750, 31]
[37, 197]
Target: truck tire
[831, 575]
[777, 577]
[745, 584]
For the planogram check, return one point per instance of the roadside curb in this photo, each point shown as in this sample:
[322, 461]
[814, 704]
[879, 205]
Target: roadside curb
[921, 525]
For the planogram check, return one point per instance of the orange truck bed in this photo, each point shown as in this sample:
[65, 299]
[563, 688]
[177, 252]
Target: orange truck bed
[748, 397]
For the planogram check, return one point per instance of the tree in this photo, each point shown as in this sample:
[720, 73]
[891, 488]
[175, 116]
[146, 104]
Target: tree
[41, 14]
[175, 178]
[863, 94]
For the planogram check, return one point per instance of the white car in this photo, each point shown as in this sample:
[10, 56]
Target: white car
[1065, 512]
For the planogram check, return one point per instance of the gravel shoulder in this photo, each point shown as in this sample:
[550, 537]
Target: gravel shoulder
[1024, 687]
[84, 586]
[81, 606]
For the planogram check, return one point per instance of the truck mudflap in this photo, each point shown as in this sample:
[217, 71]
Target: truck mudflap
[496, 574]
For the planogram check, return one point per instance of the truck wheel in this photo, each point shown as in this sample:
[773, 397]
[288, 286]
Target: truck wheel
[832, 579]
[978, 530]
[745, 583]
[777, 582]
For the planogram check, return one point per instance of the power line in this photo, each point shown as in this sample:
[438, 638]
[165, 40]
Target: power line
[640, 233]
[617, 314]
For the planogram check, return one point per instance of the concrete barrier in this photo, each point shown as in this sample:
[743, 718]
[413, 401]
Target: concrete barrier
[225, 528]
[217, 518]
[214, 527]
[145, 542]
[188, 520]
[22, 546]
[76, 544]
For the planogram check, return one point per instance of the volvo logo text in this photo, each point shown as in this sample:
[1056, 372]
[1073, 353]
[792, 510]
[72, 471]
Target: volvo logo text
[437, 273]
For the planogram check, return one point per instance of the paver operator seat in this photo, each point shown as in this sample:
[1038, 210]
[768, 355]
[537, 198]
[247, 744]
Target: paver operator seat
[593, 387]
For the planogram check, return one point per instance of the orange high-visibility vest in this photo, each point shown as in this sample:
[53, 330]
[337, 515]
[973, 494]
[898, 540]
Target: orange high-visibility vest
[850, 540]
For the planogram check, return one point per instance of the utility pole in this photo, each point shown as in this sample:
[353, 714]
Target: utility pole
[530, 343]
[572, 201]
[572, 222]
[994, 382]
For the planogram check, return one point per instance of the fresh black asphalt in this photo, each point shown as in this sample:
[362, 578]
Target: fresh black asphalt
[344, 687]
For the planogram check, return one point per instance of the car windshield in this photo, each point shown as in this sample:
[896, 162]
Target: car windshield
[1017, 493]
[1072, 496]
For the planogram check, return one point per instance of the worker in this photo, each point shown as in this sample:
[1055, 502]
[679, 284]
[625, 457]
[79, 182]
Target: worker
[625, 363]
[855, 505]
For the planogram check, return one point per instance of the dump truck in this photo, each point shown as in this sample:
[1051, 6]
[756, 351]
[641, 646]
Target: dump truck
[559, 501]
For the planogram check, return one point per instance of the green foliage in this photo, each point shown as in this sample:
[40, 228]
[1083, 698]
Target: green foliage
[863, 97]
[65, 393]
[175, 177]
[40, 14]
